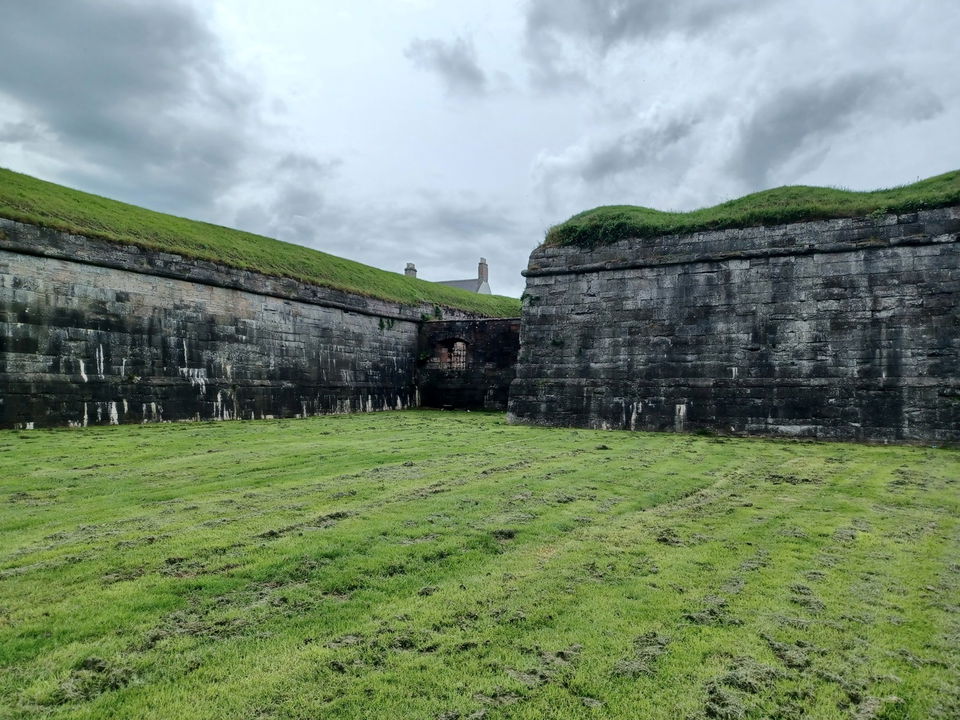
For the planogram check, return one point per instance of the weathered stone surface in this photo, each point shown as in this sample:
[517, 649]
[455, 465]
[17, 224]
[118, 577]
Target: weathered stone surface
[473, 375]
[95, 333]
[835, 329]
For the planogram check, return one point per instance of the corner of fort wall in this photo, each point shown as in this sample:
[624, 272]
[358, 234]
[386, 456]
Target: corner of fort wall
[843, 329]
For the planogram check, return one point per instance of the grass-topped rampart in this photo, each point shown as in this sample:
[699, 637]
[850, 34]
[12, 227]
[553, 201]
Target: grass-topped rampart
[29, 200]
[793, 203]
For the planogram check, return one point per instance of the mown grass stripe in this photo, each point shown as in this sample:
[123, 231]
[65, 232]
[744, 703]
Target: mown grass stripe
[413, 603]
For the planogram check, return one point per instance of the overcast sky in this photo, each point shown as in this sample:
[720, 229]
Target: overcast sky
[437, 131]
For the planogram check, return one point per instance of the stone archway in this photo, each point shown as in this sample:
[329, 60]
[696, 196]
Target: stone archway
[467, 364]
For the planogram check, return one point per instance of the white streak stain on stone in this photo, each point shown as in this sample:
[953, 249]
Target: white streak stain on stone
[196, 376]
[151, 413]
[83, 371]
[680, 416]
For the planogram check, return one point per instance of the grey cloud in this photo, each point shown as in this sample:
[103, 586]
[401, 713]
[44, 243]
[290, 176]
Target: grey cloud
[455, 62]
[139, 90]
[19, 132]
[631, 151]
[443, 235]
[802, 120]
[306, 166]
[601, 25]
[292, 204]
[608, 22]
[299, 184]
[656, 153]
[446, 236]
[431, 225]
[465, 222]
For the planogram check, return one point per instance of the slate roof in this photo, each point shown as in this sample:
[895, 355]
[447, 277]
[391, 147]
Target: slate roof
[473, 285]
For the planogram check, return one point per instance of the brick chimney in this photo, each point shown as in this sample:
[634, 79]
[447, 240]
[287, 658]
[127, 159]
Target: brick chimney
[410, 270]
[483, 273]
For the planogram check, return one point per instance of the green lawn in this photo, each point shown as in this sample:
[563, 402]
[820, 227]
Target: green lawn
[29, 200]
[447, 565]
[604, 225]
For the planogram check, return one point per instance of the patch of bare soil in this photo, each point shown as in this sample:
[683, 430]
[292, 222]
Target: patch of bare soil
[92, 677]
[647, 649]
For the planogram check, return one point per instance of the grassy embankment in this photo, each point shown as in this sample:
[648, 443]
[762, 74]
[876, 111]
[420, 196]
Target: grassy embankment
[29, 200]
[604, 225]
[344, 567]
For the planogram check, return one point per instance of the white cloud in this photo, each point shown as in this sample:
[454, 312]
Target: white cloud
[435, 133]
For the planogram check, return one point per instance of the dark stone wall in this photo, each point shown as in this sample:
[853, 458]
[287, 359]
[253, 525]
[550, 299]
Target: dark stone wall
[93, 332]
[845, 329]
[468, 364]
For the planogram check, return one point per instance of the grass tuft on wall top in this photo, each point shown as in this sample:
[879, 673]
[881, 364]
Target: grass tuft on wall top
[792, 203]
[29, 200]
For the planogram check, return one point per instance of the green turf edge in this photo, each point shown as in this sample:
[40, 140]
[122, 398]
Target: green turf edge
[792, 203]
[33, 201]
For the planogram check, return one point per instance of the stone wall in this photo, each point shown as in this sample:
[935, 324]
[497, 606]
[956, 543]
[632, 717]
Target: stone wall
[93, 332]
[468, 364]
[833, 329]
